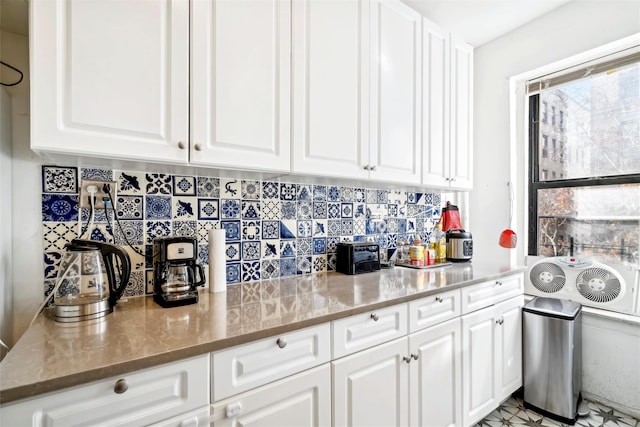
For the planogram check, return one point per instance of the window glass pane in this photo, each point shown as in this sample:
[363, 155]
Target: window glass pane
[594, 126]
[601, 223]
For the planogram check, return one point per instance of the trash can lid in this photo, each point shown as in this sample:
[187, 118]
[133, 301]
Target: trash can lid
[553, 307]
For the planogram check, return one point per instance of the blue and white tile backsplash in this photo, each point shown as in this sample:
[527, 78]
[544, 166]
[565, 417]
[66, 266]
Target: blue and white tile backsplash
[273, 229]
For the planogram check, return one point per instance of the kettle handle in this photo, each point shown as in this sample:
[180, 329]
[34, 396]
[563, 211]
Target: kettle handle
[201, 274]
[116, 290]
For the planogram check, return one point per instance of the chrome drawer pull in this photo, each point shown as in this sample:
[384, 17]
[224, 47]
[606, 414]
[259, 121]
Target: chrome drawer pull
[438, 299]
[282, 343]
[121, 386]
[499, 282]
[406, 359]
[415, 356]
[375, 317]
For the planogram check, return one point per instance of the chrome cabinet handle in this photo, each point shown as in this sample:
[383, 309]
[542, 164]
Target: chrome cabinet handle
[375, 317]
[406, 359]
[499, 321]
[282, 343]
[367, 167]
[499, 282]
[373, 168]
[182, 145]
[197, 147]
[415, 356]
[121, 386]
[438, 299]
[452, 179]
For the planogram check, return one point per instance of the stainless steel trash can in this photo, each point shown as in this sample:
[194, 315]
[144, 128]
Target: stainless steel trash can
[553, 357]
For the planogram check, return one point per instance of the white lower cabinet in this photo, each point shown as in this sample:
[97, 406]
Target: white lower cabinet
[491, 357]
[140, 398]
[370, 388]
[300, 400]
[435, 384]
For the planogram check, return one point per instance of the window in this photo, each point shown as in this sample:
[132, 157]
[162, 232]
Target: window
[584, 189]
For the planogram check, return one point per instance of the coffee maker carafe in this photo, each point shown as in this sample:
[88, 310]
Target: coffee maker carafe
[176, 275]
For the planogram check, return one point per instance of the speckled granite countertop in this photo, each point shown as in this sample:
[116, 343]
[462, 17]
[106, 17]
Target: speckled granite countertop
[140, 334]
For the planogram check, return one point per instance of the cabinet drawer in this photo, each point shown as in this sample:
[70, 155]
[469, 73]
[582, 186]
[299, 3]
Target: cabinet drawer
[251, 365]
[485, 294]
[365, 330]
[434, 309]
[150, 396]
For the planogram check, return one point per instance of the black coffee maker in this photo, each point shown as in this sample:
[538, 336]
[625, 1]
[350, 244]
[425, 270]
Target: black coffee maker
[176, 275]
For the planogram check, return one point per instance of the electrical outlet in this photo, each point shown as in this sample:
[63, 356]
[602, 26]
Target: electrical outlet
[101, 196]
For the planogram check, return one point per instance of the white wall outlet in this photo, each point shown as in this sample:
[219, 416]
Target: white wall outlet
[89, 186]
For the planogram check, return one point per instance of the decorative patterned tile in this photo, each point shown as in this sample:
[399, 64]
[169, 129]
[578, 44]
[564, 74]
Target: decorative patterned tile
[270, 249]
[251, 272]
[304, 192]
[230, 208]
[334, 228]
[250, 209]
[232, 252]
[203, 230]
[319, 245]
[288, 229]
[232, 229]
[305, 210]
[129, 207]
[130, 183]
[251, 189]
[332, 244]
[359, 195]
[208, 187]
[270, 190]
[319, 227]
[57, 179]
[208, 209]
[250, 251]
[270, 269]
[304, 265]
[157, 207]
[270, 209]
[287, 249]
[382, 196]
[304, 246]
[185, 228]
[270, 229]
[233, 273]
[359, 227]
[346, 210]
[99, 215]
[184, 186]
[129, 232]
[304, 228]
[333, 194]
[156, 229]
[347, 194]
[319, 193]
[289, 210]
[288, 267]
[347, 227]
[319, 210]
[60, 207]
[57, 234]
[288, 192]
[51, 264]
[334, 210]
[230, 189]
[203, 255]
[136, 257]
[101, 233]
[184, 208]
[411, 198]
[96, 174]
[251, 230]
[319, 263]
[158, 183]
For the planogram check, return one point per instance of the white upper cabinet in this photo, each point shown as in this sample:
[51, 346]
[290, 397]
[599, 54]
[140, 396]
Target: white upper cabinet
[241, 84]
[110, 78]
[356, 90]
[395, 116]
[447, 116]
[330, 88]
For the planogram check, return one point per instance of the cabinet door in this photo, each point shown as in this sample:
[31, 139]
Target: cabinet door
[435, 385]
[240, 84]
[510, 352]
[302, 400]
[370, 388]
[149, 396]
[461, 163]
[479, 369]
[330, 88]
[110, 78]
[435, 105]
[395, 113]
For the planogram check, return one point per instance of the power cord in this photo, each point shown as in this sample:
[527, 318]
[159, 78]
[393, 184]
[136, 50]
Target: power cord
[107, 190]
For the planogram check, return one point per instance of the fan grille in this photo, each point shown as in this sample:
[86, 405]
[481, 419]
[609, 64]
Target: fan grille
[598, 285]
[547, 277]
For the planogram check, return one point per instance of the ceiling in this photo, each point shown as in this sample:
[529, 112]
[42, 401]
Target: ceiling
[474, 21]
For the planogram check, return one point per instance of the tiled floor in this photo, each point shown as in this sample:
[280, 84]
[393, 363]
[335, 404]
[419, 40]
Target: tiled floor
[513, 413]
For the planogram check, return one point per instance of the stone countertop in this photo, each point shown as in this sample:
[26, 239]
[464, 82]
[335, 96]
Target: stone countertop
[141, 334]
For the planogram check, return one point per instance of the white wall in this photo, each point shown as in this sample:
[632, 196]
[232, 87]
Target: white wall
[25, 195]
[569, 30]
[6, 284]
